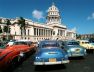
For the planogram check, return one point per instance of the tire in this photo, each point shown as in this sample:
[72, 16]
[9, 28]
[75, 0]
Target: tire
[14, 63]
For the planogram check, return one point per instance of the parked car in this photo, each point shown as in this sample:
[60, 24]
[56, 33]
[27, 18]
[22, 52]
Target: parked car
[73, 48]
[89, 47]
[15, 53]
[91, 41]
[50, 53]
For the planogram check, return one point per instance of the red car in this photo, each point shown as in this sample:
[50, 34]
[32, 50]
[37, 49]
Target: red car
[13, 54]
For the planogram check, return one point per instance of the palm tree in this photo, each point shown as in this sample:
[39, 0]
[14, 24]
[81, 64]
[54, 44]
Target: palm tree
[8, 23]
[21, 22]
[7, 27]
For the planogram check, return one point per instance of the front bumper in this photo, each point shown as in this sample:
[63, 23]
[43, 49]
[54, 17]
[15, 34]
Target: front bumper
[51, 63]
[76, 55]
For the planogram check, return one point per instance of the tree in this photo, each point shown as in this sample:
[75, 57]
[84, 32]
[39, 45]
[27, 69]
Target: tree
[21, 22]
[7, 28]
[78, 36]
[8, 23]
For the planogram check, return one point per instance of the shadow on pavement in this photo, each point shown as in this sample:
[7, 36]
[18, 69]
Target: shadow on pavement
[49, 67]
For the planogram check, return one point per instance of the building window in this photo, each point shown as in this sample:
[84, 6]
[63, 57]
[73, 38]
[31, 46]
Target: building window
[42, 32]
[53, 32]
[35, 31]
[39, 32]
[28, 31]
[15, 33]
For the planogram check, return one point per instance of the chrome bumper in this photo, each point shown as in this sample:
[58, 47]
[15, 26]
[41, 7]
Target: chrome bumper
[51, 63]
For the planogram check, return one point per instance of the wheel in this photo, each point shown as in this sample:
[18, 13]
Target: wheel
[14, 63]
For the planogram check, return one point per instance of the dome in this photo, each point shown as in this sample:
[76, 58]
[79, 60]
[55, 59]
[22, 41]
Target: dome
[53, 8]
[53, 15]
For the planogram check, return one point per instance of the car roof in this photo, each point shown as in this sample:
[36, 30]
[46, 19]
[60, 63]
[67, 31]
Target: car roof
[44, 41]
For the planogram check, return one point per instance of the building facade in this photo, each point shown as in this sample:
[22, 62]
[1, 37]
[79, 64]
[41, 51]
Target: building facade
[51, 29]
[86, 36]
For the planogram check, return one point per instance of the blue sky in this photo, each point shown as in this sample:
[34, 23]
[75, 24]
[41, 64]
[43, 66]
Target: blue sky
[77, 14]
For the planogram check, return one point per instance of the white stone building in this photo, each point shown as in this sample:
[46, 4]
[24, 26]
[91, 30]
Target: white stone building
[51, 29]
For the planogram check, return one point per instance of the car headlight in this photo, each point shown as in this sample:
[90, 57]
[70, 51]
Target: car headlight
[85, 50]
[72, 49]
[66, 56]
[68, 51]
[37, 57]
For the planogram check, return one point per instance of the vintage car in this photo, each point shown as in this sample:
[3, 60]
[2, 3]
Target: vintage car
[15, 53]
[89, 46]
[73, 48]
[49, 53]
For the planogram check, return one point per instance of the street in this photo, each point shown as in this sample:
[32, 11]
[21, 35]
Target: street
[76, 65]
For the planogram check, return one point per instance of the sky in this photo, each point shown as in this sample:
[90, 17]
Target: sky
[77, 14]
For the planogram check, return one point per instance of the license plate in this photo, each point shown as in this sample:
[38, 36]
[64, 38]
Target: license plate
[75, 54]
[52, 60]
[77, 50]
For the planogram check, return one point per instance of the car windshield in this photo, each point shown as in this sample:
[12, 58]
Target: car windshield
[73, 43]
[85, 42]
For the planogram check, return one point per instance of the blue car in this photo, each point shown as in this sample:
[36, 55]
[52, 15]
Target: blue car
[73, 48]
[50, 53]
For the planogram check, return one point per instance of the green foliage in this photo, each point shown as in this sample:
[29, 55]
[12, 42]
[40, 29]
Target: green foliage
[78, 36]
[21, 22]
[5, 29]
[8, 22]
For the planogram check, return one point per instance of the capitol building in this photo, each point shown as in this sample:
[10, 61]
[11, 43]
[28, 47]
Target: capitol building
[51, 29]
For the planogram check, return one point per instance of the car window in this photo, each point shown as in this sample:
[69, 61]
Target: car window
[20, 43]
[72, 43]
[49, 44]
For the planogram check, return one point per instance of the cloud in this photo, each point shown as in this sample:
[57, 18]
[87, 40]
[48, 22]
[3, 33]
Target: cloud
[37, 14]
[91, 17]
